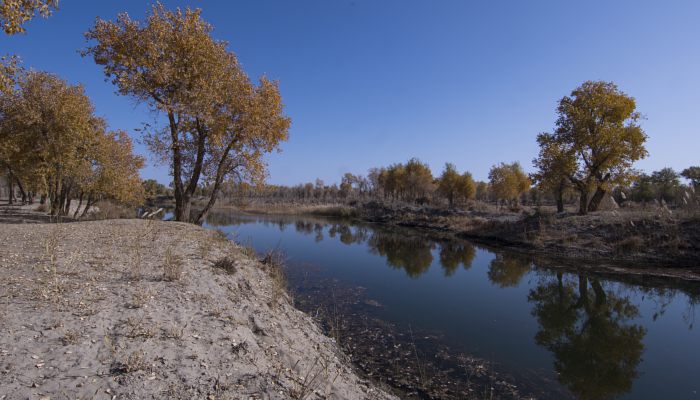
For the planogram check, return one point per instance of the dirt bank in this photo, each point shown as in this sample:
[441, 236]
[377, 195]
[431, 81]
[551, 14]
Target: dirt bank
[129, 309]
[654, 242]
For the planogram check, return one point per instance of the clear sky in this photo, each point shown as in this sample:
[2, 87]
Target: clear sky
[372, 82]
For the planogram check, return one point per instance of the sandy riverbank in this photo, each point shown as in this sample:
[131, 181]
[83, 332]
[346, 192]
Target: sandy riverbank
[127, 309]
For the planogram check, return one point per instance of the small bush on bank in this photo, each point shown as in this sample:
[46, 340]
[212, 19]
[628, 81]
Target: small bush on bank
[172, 267]
[274, 266]
[228, 264]
[630, 244]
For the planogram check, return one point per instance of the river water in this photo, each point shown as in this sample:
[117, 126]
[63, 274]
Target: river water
[439, 317]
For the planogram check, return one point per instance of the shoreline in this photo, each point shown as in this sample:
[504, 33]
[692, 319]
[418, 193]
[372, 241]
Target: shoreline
[592, 243]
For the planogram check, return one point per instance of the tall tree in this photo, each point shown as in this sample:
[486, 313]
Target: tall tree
[453, 186]
[554, 166]
[643, 188]
[598, 128]
[666, 184]
[218, 123]
[508, 181]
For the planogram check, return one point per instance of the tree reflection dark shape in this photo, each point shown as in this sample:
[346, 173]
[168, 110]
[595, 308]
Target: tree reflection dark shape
[596, 348]
[347, 235]
[508, 270]
[413, 254]
[454, 253]
[318, 228]
[304, 227]
[226, 219]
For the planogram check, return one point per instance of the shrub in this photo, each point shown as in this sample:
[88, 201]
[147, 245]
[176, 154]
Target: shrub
[227, 264]
[172, 266]
[630, 244]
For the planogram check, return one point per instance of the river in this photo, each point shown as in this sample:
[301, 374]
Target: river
[439, 317]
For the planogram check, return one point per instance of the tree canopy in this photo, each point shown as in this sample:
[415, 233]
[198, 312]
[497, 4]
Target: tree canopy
[51, 141]
[508, 181]
[595, 143]
[219, 124]
[455, 187]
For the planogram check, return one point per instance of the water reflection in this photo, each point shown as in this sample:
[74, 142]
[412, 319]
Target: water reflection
[413, 254]
[589, 331]
[593, 327]
[454, 253]
[508, 270]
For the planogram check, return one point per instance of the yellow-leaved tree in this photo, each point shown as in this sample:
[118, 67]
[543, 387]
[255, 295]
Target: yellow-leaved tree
[455, 187]
[51, 142]
[219, 125]
[596, 141]
[508, 182]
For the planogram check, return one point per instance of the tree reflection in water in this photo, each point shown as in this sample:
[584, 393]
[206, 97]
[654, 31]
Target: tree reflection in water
[589, 331]
[453, 253]
[507, 270]
[413, 254]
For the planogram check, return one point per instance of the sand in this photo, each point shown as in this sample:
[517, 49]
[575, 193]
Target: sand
[87, 313]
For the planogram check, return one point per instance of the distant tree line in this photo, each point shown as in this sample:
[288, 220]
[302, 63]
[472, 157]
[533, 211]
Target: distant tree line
[588, 157]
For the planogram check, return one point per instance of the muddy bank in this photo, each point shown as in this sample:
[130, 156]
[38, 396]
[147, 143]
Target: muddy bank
[137, 309]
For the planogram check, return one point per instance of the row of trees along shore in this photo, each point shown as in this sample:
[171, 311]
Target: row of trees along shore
[589, 156]
[51, 141]
[214, 126]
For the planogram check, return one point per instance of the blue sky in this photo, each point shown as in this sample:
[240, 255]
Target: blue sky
[372, 82]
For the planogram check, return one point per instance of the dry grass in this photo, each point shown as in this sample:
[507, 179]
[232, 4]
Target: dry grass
[139, 298]
[273, 262]
[172, 266]
[630, 244]
[70, 337]
[227, 263]
[314, 377]
[136, 361]
[136, 328]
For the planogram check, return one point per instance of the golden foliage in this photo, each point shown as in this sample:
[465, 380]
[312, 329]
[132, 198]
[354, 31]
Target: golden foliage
[456, 187]
[597, 140]
[51, 139]
[508, 181]
[219, 123]
[15, 13]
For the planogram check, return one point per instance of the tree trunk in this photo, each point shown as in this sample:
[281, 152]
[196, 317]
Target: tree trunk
[11, 185]
[597, 199]
[221, 170]
[21, 191]
[80, 203]
[177, 168]
[583, 202]
[559, 194]
[87, 206]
